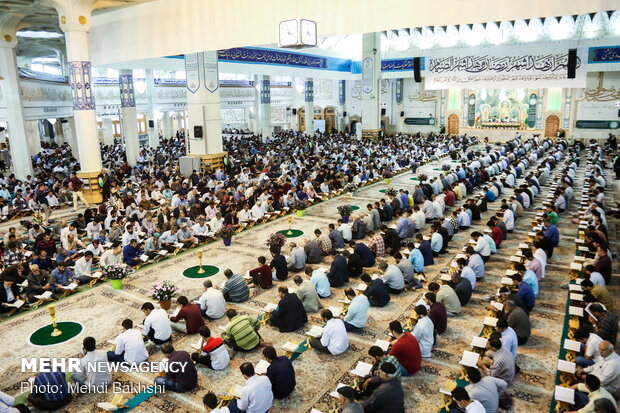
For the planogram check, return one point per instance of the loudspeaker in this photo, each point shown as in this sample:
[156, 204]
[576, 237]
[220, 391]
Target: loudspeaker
[151, 123]
[294, 111]
[402, 113]
[383, 111]
[198, 132]
[571, 66]
[416, 70]
[63, 120]
[619, 113]
[344, 114]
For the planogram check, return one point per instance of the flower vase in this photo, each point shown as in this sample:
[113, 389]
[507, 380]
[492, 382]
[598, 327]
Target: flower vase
[345, 219]
[300, 212]
[227, 241]
[165, 304]
[117, 284]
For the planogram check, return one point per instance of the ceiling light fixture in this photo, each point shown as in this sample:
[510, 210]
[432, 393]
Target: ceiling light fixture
[39, 34]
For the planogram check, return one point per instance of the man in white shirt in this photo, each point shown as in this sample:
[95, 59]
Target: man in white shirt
[256, 396]
[509, 337]
[112, 256]
[424, 331]
[156, 324]
[129, 346]
[334, 339]
[482, 246]
[95, 370]
[462, 399]
[345, 230]
[508, 218]
[607, 368]
[83, 267]
[212, 302]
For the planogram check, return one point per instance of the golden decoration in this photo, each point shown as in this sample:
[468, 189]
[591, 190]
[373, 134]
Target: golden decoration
[8, 38]
[63, 20]
[290, 222]
[52, 311]
[200, 269]
[82, 20]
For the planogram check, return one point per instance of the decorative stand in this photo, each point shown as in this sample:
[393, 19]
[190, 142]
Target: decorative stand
[52, 311]
[200, 269]
[290, 222]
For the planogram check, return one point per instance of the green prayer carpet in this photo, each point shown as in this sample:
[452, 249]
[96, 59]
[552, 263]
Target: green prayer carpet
[295, 233]
[43, 336]
[192, 272]
[414, 179]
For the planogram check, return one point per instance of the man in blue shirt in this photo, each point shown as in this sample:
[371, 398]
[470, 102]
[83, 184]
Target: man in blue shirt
[357, 314]
[131, 253]
[320, 282]
[280, 372]
[376, 291]
[476, 262]
[63, 276]
[404, 197]
[50, 391]
[525, 292]
[416, 258]
[426, 250]
[489, 195]
[552, 232]
[366, 255]
[402, 226]
[436, 240]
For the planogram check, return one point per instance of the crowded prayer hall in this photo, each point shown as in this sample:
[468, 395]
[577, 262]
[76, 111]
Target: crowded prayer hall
[308, 206]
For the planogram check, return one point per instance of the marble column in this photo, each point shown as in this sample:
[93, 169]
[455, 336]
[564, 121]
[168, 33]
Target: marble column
[204, 121]
[265, 107]
[341, 120]
[309, 106]
[167, 125]
[9, 83]
[371, 88]
[33, 134]
[108, 131]
[151, 112]
[129, 117]
[68, 129]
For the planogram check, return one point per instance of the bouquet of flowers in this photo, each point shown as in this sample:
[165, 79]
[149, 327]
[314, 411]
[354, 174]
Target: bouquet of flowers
[38, 218]
[345, 210]
[163, 291]
[350, 188]
[225, 231]
[300, 204]
[422, 177]
[391, 191]
[116, 271]
[276, 240]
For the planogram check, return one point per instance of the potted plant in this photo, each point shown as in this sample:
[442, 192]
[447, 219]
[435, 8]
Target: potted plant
[391, 191]
[345, 212]
[446, 167]
[422, 177]
[275, 242]
[226, 232]
[163, 292]
[300, 206]
[115, 273]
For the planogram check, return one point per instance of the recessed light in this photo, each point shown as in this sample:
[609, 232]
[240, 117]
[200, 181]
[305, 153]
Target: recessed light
[39, 34]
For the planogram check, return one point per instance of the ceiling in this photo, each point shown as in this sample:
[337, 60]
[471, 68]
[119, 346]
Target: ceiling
[43, 19]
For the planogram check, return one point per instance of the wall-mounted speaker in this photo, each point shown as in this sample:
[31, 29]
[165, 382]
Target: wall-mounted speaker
[402, 113]
[197, 132]
[344, 114]
[383, 111]
[416, 70]
[151, 123]
[571, 66]
[294, 111]
[619, 113]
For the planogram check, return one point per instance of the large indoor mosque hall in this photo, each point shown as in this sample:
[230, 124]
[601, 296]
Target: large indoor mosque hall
[350, 206]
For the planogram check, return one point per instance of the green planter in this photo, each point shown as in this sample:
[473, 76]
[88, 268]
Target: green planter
[117, 284]
[300, 212]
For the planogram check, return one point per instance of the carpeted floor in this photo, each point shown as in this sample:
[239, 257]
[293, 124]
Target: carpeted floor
[102, 309]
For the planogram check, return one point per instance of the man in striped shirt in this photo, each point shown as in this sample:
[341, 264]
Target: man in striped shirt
[242, 331]
[50, 391]
[235, 288]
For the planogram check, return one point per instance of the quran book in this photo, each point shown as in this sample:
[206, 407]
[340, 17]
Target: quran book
[479, 342]
[564, 394]
[362, 369]
[16, 304]
[469, 359]
[576, 311]
[490, 321]
[383, 344]
[335, 393]
[497, 305]
[97, 274]
[270, 307]
[261, 367]
[71, 286]
[43, 296]
[315, 331]
[566, 366]
[237, 391]
[335, 311]
[176, 312]
[288, 346]
[144, 257]
[572, 345]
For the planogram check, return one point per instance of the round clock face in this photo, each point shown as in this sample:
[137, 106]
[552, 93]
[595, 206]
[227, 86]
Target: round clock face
[308, 32]
[288, 33]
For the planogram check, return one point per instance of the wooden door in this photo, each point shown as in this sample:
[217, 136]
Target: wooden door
[552, 124]
[330, 119]
[301, 119]
[453, 124]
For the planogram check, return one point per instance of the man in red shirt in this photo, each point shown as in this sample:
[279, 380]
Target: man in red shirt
[190, 313]
[496, 233]
[406, 349]
[450, 198]
[261, 276]
[76, 184]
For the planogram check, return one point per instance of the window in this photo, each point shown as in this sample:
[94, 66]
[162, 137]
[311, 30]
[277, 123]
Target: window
[554, 99]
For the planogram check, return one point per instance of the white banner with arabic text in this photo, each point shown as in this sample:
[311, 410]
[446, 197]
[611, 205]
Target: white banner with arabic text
[519, 66]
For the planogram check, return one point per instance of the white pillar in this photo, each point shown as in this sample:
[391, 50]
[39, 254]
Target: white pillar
[180, 127]
[255, 122]
[9, 83]
[80, 79]
[309, 106]
[167, 124]
[342, 100]
[203, 104]
[371, 88]
[68, 129]
[108, 131]
[265, 106]
[34, 136]
[151, 112]
[129, 117]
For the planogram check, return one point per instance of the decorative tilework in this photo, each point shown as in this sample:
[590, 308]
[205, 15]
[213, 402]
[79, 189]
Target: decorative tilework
[342, 92]
[128, 98]
[265, 91]
[399, 91]
[80, 81]
[309, 91]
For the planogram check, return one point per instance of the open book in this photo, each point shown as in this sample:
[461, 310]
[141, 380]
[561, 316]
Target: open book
[315, 331]
[566, 366]
[144, 258]
[564, 394]
[16, 304]
[335, 393]
[97, 274]
[261, 367]
[162, 252]
[24, 284]
[362, 369]
[176, 312]
[383, 344]
[270, 307]
[197, 345]
[43, 296]
[469, 359]
[71, 286]
[288, 346]
[237, 391]
[479, 342]
[572, 345]
[335, 311]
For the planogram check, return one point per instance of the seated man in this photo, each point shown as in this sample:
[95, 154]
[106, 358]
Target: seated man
[405, 348]
[379, 357]
[182, 379]
[290, 314]
[338, 272]
[131, 253]
[50, 391]
[261, 276]
[308, 295]
[39, 282]
[607, 368]
[94, 366]
[256, 395]
[334, 339]
[278, 266]
[318, 278]
[465, 403]
[280, 372]
[212, 302]
[424, 331]
[191, 316]
[129, 346]
[446, 295]
[298, 258]
[392, 278]
[241, 331]
[213, 353]
[389, 396]
[9, 293]
[376, 291]
[437, 313]
[498, 362]
[235, 288]
[156, 324]
[63, 276]
[7, 404]
[485, 389]
[112, 256]
[357, 314]
[366, 255]
[83, 268]
[588, 393]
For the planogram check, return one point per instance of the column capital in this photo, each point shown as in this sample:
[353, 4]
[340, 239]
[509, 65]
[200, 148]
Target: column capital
[75, 15]
[10, 23]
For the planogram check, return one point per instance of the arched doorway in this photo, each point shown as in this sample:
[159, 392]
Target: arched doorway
[552, 124]
[301, 119]
[453, 124]
[330, 118]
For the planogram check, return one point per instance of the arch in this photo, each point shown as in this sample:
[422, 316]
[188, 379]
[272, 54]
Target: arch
[552, 124]
[329, 114]
[301, 119]
[453, 124]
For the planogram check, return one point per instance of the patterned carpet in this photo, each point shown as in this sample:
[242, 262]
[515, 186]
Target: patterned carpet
[102, 309]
